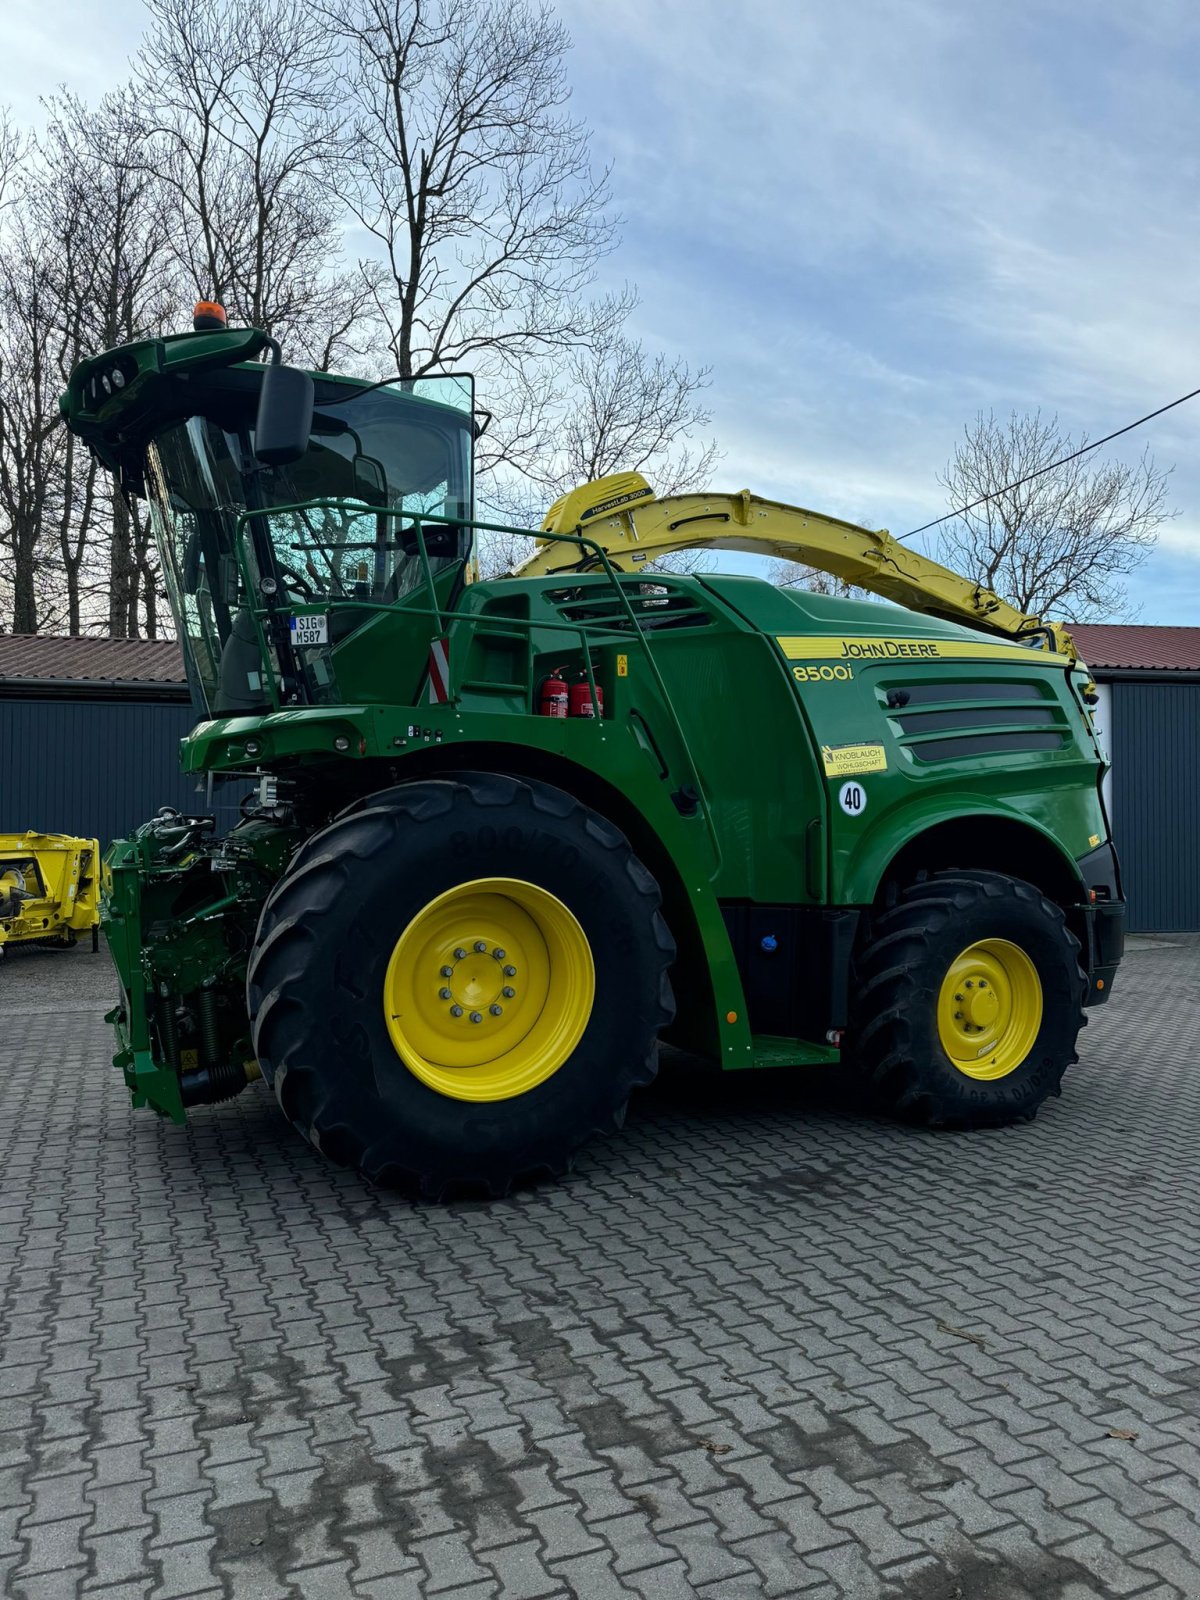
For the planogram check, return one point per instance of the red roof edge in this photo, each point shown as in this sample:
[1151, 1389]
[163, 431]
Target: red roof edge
[1137, 647]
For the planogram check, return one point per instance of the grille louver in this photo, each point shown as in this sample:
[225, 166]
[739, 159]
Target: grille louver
[961, 721]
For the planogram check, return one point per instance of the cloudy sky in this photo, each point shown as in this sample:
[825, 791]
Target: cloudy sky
[872, 220]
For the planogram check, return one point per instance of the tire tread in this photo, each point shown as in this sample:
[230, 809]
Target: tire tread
[291, 923]
[890, 987]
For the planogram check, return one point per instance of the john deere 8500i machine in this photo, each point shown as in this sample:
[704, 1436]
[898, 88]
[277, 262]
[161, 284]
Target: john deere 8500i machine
[502, 837]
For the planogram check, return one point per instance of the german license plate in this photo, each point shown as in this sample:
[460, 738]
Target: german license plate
[312, 629]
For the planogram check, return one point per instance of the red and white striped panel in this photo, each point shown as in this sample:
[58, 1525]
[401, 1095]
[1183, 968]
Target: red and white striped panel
[439, 672]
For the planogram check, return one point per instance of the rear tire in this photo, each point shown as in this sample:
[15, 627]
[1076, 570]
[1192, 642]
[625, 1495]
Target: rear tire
[337, 984]
[956, 940]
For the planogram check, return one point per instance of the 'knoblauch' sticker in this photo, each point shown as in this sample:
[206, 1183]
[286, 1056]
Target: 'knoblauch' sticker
[846, 760]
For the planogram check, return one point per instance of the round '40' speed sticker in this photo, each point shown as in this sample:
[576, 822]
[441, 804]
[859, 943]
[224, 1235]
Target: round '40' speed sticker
[852, 798]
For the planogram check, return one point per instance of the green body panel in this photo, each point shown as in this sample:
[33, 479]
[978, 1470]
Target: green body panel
[733, 722]
[1056, 793]
[761, 748]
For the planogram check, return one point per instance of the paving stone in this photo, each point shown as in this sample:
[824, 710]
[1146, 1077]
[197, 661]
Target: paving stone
[118, 1557]
[667, 1582]
[51, 1546]
[63, 1585]
[449, 1563]
[521, 1572]
[590, 1577]
[755, 1348]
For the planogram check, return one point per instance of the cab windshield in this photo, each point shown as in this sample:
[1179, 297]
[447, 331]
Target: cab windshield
[379, 461]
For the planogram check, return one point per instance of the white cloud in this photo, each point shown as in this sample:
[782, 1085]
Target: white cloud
[876, 220]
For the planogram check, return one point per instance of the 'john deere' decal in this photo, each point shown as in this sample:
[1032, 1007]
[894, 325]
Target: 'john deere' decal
[803, 647]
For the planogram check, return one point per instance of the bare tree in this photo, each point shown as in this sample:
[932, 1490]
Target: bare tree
[255, 134]
[31, 442]
[613, 408]
[13, 145]
[108, 261]
[617, 408]
[1058, 546]
[462, 164]
[82, 267]
[243, 96]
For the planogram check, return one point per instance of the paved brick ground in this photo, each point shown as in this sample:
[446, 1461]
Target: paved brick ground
[757, 1348]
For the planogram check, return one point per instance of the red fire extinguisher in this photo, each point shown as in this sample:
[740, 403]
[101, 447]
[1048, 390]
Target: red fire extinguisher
[581, 698]
[554, 697]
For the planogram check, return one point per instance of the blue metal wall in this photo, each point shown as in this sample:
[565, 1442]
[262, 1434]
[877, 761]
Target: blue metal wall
[1156, 797]
[95, 768]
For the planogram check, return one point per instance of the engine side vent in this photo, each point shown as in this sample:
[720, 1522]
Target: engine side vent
[961, 721]
[657, 606]
[655, 602]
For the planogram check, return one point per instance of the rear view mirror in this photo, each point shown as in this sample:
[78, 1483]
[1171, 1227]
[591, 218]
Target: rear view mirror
[230, 588]
[285, 412]
[370, 480]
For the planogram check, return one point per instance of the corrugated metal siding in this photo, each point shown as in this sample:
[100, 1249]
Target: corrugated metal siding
[95, 768]
[1156, 797]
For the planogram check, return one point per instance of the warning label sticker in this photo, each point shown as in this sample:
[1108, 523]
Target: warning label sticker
[848, 760]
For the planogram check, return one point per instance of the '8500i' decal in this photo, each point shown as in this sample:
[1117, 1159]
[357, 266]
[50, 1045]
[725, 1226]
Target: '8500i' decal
[835, 674]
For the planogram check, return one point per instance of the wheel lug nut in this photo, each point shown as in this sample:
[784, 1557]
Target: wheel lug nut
[497, 1011]
[958, 1016]
[480, 947]
[447, 972]
[983, 983]
[456, 1011]
[476, 1016]
[460, 954]
[958, 997]
[509, 992]
[499, 954]
[444, 994]
[510, 972]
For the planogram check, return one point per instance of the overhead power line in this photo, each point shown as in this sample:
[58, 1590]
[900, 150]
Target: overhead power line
[1041, 471]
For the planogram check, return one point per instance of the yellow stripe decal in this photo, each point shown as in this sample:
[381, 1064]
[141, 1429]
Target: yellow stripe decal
[804, 647]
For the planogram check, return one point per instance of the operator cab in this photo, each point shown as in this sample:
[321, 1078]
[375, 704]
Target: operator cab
[340, 527]
[335, 525]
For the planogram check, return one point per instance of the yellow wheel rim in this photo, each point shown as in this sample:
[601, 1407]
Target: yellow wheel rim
[990, 1009]
[489, 989]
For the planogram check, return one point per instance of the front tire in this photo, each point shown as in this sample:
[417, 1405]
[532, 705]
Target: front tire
[459, 982]
[968, 997]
